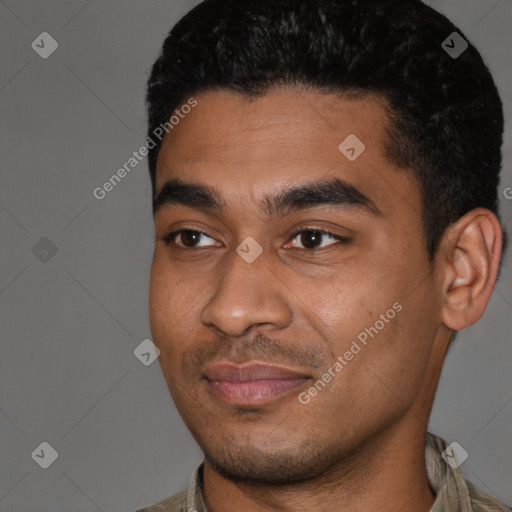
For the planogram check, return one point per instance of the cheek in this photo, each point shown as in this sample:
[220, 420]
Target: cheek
[168, 290]
[396, 360]
[167, 305]
[158, 299]
[174, 303]
[383, 335]
[343, 307]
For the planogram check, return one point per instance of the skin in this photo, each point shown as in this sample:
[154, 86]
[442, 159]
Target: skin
[359, 443]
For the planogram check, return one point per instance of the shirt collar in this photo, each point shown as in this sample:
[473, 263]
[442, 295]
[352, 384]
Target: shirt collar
[446, 480]
[195, 501]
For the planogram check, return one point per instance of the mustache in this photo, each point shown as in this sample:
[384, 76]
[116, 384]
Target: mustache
[260, 347]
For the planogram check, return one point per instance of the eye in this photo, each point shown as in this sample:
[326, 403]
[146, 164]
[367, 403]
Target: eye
[311, 239]
[187, 237]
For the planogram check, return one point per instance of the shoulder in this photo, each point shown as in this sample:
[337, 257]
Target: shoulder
[176, 503]
[483, 502]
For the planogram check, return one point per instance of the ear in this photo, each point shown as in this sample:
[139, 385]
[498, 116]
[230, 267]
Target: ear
[470, 254]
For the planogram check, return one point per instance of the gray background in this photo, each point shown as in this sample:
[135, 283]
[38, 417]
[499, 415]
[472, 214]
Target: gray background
[69, 325]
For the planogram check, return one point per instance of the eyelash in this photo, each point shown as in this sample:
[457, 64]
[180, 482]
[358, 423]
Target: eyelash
[168, 238]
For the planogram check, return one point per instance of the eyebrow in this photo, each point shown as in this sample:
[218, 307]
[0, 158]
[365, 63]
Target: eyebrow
[327, 192]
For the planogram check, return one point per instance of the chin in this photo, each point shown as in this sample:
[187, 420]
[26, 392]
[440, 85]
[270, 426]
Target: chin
[248, 463]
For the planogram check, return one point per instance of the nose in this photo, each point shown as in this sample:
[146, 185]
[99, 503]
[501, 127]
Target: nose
[248, 294]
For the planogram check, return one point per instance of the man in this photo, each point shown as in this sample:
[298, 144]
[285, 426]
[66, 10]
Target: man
[325, 210]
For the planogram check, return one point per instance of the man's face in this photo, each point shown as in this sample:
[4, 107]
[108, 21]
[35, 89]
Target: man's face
[342, 277]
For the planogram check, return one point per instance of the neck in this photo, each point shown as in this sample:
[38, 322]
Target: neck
[388, 474]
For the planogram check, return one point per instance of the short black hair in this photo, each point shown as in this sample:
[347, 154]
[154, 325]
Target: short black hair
[445, 113]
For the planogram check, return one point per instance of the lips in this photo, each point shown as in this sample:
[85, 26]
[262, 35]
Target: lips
[251, 383]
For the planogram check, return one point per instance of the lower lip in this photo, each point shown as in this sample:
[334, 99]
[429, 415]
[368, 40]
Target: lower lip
[253, 392]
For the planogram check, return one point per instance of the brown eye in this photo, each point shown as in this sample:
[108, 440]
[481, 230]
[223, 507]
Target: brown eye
[312, 239]
[187, 238]
[190, 238]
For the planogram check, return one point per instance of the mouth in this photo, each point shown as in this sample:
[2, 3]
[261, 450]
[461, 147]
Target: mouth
[252, 383]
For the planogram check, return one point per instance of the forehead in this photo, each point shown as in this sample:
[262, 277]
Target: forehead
[238, 144]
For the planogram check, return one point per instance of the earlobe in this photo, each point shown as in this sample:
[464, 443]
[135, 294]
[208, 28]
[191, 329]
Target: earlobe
[471, 252]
